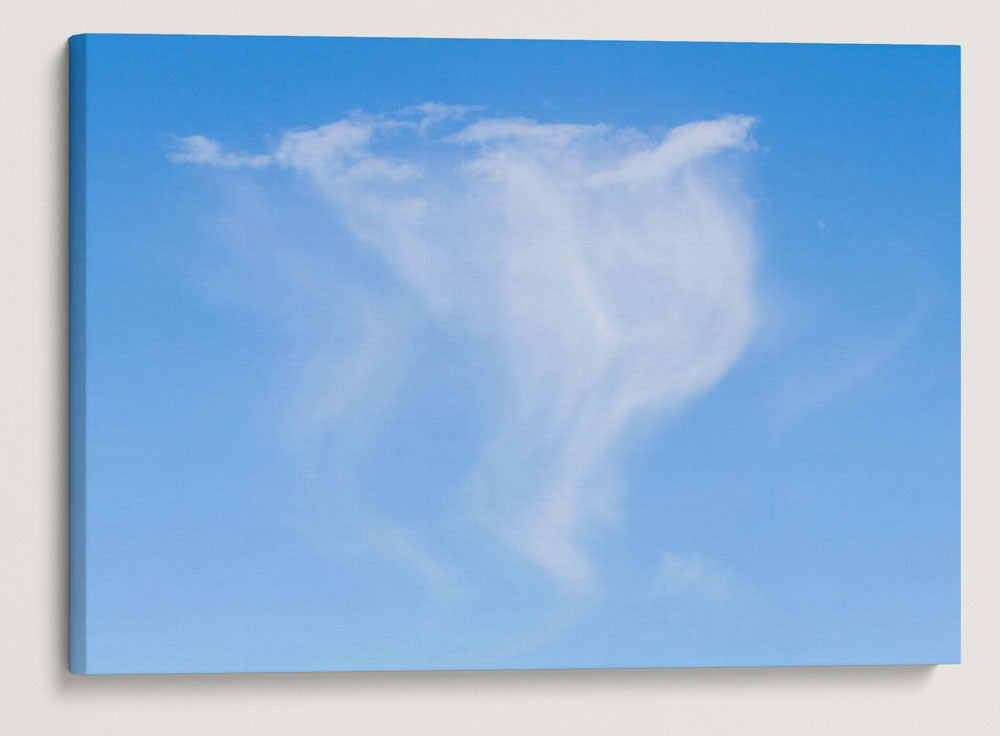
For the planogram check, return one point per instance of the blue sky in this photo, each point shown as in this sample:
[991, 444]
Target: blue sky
[495, 354]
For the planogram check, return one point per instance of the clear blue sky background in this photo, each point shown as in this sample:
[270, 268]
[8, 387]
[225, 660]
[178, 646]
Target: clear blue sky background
[802, 509]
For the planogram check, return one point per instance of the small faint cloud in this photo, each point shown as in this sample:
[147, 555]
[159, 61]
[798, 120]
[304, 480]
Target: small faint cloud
[432, 113]
[398, 543]
[692, 576]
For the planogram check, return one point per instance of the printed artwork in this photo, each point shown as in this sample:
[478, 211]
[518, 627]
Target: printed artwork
[466, 354]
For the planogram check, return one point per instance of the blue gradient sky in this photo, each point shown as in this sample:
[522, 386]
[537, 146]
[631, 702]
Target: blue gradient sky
[301, 451]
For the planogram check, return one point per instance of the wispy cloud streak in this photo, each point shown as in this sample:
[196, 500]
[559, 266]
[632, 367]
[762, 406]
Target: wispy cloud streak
[197, 149]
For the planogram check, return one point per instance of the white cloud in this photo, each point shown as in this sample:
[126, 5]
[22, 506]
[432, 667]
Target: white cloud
[197, 149]
[609, 275]
[684, 144]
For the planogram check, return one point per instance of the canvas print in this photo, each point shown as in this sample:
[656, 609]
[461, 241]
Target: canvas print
[393, 354]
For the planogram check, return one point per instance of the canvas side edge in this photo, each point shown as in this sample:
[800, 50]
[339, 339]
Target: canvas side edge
[77, 355]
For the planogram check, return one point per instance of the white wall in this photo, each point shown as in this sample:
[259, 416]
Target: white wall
[39, 696]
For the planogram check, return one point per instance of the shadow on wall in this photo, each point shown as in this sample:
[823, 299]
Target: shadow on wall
[538, 682]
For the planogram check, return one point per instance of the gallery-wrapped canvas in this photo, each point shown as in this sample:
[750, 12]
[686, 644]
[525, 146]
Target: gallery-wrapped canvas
[494, 354]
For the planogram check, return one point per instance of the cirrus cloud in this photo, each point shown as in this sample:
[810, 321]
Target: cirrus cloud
[610, 272]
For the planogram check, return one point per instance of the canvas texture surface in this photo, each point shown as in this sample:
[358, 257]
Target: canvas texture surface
[394, 354]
